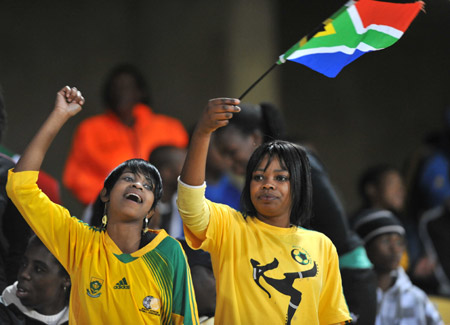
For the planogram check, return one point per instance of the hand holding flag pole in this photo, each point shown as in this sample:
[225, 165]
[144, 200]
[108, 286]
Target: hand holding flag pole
[357, 28]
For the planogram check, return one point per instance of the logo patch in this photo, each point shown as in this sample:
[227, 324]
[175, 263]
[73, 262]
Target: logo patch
[151, 305]
[94, 287]
[122, 284]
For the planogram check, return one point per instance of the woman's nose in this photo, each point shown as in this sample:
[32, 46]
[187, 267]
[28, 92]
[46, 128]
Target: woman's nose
[138, 185]
[268, 185]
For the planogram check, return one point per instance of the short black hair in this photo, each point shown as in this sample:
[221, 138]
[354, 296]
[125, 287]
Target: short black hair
[294, 158]
[36, 241]
[373, 175]
[137, 166]
[129, 69]
[263, 117]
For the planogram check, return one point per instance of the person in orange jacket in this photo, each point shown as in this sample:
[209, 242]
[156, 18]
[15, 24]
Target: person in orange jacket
[127, 129]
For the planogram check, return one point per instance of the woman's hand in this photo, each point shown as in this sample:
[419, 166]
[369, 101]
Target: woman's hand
[216, 114]
[69, 101]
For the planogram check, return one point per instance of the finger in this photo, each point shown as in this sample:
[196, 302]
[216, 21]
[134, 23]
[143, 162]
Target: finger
[73, 94]
[64, 91]
[220, 108]
[223, 116]
[224, 101]
[219, 124]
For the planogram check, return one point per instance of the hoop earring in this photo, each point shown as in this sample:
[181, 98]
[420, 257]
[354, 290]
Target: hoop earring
[104, 219]
[145, 225]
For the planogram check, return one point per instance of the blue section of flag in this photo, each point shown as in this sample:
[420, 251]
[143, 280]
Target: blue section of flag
[329, 64]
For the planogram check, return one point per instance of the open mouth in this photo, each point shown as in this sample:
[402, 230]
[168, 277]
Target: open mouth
[133, 197]
[21, 293]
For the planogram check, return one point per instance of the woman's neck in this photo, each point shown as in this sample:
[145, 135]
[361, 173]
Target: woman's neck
[126, 236]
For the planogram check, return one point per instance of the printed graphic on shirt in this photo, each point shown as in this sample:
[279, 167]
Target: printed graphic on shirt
[151, 305]
[122, 284]
[285, 285]
[94, 287]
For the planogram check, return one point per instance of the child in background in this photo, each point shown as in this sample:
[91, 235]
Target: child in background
[268, 269]
[399, 301]
[121, 273]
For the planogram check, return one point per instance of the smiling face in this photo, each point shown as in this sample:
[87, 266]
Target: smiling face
[131, 198]
[40, 282]
[270, 192]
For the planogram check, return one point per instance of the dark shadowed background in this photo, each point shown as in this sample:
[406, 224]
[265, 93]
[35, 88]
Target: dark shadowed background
[378, 109]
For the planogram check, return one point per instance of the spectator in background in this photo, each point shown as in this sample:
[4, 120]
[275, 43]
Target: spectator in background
[382, 186]
[169, 161]
[127, 129]
[41, 293]
[14, 231]
[222, 187]
[399, 301]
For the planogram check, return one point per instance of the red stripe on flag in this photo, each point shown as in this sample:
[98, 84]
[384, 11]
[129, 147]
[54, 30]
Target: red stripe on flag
[396, 15]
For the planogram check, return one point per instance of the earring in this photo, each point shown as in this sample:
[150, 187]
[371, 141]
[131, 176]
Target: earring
[145, 225]
[104, 219]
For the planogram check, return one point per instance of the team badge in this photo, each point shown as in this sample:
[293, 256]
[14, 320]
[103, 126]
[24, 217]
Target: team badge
[300, 256]
[152, 305]
[94, 288]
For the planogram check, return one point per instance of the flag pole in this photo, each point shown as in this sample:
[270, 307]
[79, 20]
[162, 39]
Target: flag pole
[257, 81]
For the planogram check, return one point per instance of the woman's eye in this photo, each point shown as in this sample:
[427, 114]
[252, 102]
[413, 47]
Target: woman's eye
[128, 178]
[282, 178]
[257, 177]
[148, 187]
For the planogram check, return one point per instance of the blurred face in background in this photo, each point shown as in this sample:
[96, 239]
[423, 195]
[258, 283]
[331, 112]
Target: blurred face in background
[392, 191]
[385, 251]
[40, 282]
[238, 147]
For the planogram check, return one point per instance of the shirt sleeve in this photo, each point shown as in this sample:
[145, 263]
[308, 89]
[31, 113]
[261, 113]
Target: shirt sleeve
[332, 306]
[193, 210]
[52, 223]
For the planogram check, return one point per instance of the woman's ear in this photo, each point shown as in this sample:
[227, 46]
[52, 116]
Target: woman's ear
[104, 196]
[67, 283]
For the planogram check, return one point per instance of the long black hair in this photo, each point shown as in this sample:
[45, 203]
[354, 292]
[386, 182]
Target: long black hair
[292, 157]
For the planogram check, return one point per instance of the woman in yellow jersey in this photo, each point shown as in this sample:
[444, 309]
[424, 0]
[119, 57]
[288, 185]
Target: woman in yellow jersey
[121, 273]
[269, 270]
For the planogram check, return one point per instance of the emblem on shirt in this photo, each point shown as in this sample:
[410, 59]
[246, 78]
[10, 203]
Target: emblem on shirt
[122, 284]
[151, 305]
[285, 285]
[94, 288]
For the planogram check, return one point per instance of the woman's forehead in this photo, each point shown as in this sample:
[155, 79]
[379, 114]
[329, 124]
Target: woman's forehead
[268, 160]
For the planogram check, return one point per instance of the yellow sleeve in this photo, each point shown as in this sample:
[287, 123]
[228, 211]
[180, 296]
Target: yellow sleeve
[194, 210]
[51, 222]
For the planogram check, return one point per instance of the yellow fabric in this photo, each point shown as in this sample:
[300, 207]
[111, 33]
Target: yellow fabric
[443, 306]
[261, 269]
[150, 286]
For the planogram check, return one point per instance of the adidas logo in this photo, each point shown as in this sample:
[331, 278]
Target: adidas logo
[122, 284]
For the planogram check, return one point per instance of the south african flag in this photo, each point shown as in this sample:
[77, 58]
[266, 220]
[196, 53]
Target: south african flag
[358, 27]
